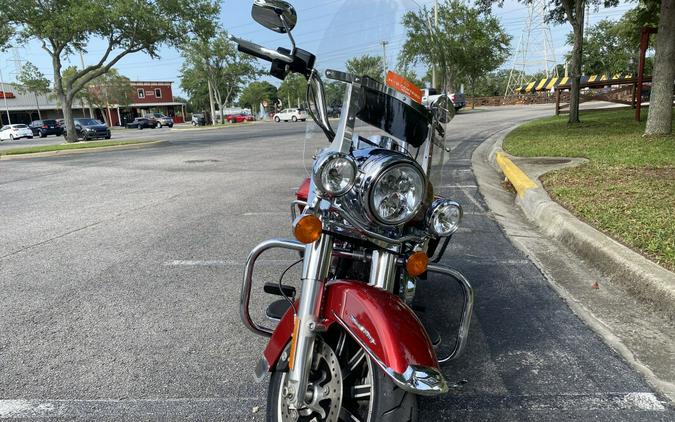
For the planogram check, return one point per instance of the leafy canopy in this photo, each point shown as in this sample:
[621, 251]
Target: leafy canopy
[257, 92]
[467, 43]
[367, 65]
[216, 60]
[32, 80]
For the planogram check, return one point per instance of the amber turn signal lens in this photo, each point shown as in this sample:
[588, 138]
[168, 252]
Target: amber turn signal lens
[417, 264]
[307, 228]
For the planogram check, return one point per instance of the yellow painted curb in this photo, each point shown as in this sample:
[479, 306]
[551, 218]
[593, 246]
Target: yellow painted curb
[516, 176]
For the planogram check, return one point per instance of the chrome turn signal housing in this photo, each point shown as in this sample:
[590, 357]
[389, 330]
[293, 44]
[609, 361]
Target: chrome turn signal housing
[443, 217]
[334, 174]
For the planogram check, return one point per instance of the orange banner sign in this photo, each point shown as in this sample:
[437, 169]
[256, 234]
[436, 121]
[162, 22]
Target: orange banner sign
[7, 95]
[404, 86]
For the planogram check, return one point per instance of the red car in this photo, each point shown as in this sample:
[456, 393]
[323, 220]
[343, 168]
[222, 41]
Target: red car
[239, 117]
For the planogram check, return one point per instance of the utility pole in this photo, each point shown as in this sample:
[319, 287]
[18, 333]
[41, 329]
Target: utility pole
[4, 96]
[384, 57]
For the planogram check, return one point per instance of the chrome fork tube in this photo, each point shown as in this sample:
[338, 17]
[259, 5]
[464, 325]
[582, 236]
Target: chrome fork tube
[314, 272]
[383, 270]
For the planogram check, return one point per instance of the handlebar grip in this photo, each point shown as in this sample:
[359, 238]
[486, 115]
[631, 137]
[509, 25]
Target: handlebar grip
[259, 51]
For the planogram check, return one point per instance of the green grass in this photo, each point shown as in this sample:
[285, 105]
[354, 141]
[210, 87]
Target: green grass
[627, 189]
[76, 145]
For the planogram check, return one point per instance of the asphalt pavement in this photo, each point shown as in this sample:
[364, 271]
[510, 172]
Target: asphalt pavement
[120, 274]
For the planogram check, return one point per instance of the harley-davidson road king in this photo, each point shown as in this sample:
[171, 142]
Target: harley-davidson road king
[369, 226]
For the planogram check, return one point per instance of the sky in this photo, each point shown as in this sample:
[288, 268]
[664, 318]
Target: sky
[334, 30]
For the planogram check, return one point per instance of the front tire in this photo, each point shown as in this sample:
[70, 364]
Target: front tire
[367, 395]
[277, 119]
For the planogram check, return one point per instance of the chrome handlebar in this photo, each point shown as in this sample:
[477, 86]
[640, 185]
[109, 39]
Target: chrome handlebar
[259, 51]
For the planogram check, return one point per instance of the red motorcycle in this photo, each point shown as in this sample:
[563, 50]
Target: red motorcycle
[369, 227]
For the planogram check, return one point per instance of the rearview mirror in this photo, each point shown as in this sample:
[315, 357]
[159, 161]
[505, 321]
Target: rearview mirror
[443, 109]
[277, 15]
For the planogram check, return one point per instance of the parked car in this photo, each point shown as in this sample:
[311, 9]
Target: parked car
[141, 123]
[429, 95]
[12, 132]
[44, 128]
[198, 119]
[160, 119]
[292, 114]
[87, 129]
[239, 117]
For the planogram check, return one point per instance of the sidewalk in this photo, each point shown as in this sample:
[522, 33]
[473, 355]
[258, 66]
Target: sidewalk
[635, 322]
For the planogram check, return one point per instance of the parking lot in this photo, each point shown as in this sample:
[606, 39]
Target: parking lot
[120, 275]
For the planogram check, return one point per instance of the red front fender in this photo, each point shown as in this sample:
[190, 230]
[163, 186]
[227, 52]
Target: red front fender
[383, 325]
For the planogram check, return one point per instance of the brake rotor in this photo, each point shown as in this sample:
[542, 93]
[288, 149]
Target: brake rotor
[324, 390]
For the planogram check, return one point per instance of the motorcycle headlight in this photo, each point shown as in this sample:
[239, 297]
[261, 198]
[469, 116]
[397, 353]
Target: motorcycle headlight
[334, 174]
[397, 194]
[444, 217]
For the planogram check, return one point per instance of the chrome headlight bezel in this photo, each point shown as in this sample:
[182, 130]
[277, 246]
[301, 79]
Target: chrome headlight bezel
[435, 212]
[373, 164]
[320, 166]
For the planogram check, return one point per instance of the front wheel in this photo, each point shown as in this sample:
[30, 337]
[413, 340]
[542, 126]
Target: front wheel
[345, 385]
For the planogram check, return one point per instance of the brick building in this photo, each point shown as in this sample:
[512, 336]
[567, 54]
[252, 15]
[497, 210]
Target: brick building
[149, 96]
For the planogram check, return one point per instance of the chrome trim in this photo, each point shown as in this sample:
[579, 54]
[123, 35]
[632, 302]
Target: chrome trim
[315, 269]
[376, 179]
[420, 380]
[319, 165]
[297, 203]
[320, 93]
[383, 270]
[367, 233]
[434, 209]
[351, 104]
[467, 309]
[245, 297]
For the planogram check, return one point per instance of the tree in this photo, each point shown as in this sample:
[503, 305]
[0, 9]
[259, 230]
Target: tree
[125, 26]
[613, 46]
[660, 117]
[489, 45]
[445, 46]
[572, 12]
[107, 89]
[335, 92]
[192, 82]
[33, 81]
[257, 92]
[606, 49]
[216, 61]
[293, 89]
[367, 65]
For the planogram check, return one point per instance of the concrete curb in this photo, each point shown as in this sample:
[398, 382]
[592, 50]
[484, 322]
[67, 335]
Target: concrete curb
[83, 150]
[642, 278]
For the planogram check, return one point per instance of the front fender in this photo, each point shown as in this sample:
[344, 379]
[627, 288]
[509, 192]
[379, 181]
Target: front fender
[383, 326]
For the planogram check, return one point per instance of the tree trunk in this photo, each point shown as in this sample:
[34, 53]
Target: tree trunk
[212, 103]
[660, 117]
[67, 106]
[577, 51]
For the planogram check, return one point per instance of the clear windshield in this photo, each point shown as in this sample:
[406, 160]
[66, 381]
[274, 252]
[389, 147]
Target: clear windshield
[364, 38]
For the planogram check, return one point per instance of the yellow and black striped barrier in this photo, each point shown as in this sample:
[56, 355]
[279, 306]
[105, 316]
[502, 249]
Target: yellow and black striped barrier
[548, 84]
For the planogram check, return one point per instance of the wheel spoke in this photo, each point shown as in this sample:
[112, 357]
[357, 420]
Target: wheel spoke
[360, 391]
[353, 363]
[341, 344]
